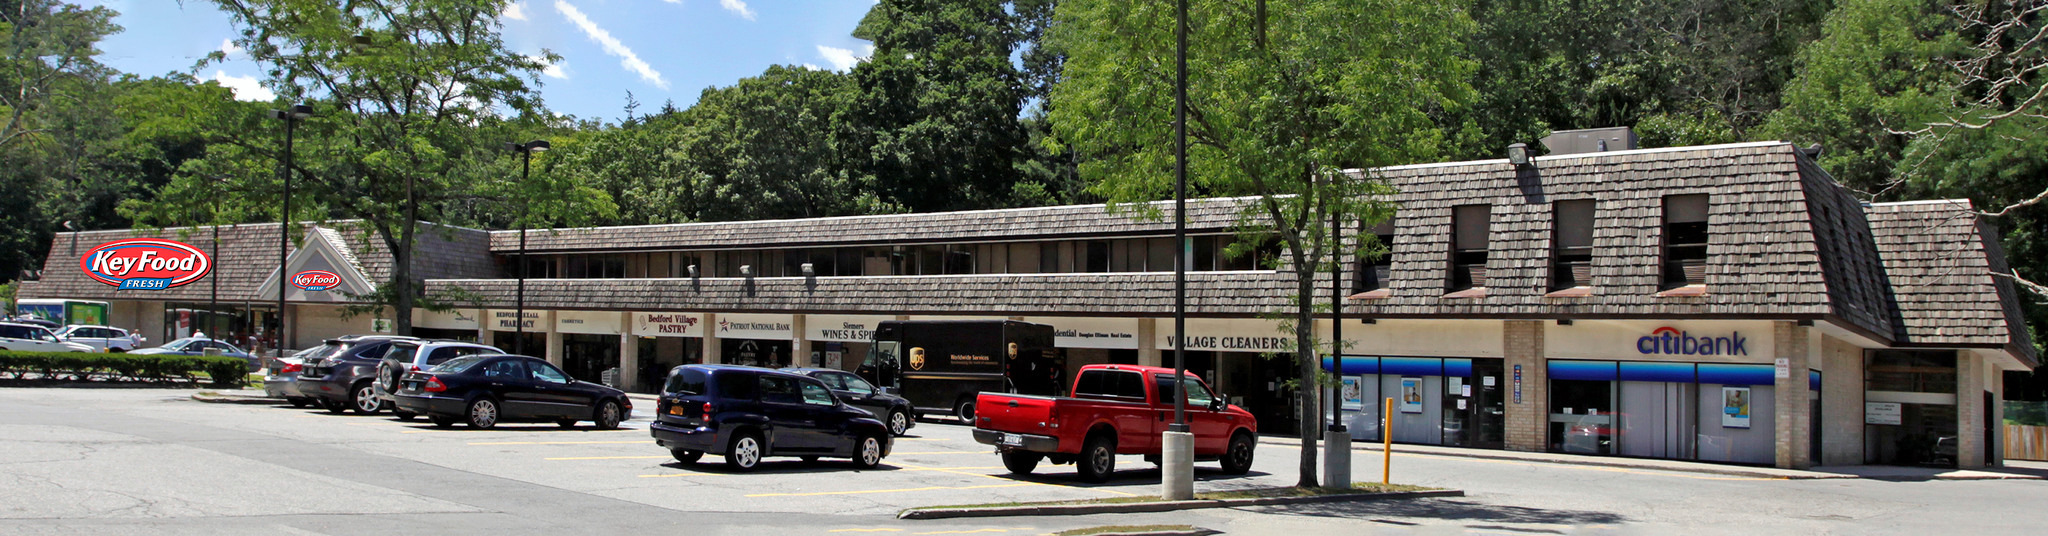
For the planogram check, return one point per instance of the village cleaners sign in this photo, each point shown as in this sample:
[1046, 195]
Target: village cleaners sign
[1670, 341]
[145, 264]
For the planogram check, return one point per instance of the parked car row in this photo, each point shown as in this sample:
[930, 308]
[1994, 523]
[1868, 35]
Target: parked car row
[748, 413]
[448, 382]
[34, 337]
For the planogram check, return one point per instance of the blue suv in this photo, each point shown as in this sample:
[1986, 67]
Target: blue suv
[749, 413]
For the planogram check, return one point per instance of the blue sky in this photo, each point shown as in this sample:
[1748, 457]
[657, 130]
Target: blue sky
[657, 49]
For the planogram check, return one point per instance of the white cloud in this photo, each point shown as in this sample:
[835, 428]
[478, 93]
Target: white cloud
[738, 7]
[514, 11]
[227, 46]
[551, 70]
[246, 88]
[840, 58]
[611, 45]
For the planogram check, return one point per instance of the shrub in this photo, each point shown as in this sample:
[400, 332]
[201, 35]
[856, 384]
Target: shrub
[54, 366]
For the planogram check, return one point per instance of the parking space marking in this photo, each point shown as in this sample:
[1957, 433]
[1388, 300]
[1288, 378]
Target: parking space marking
[865, 530]
[608, 458]
[928, 488]
[560, 442]
[976, 531]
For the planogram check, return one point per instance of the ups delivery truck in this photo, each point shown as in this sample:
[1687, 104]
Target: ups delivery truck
[941, 365]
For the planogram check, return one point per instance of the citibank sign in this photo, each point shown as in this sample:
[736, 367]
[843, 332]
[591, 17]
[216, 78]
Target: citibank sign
[1671, 341]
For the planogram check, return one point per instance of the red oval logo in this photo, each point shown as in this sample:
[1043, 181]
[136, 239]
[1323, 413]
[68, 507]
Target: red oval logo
[316, 280]
[145, 264]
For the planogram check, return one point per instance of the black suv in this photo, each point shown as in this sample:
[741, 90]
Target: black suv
[338, 376]
[748, 413]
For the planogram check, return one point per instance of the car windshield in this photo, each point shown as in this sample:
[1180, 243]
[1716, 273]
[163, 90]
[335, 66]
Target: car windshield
[458, 365]
[687, 381]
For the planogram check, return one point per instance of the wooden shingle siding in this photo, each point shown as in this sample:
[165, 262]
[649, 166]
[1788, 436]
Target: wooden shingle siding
[1939, 256]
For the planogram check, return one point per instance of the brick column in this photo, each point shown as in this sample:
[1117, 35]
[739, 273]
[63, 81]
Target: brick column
[1149, 353]
[1528, 419]
[1970, 374]
[714, 351]
[629, 355]
[1841, 394]
[1792, 419]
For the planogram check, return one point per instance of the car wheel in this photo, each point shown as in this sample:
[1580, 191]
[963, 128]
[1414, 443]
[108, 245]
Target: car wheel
[1238, 460]
[965, 410]
[868, 453]
[899, 422]
[745, 452]
[442, 422]
[686, 455]
[364, 400]
[1098, 458]
[483, 413]
[1021, 462]
[566, 423]
[404, 415]
[607, 417]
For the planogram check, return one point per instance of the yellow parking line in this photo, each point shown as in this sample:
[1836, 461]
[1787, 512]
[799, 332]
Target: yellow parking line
[976, 531]
[865, 530]
[930, 488]
[560, 442]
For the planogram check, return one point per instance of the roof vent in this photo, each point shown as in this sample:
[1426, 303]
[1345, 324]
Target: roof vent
[1592, 140]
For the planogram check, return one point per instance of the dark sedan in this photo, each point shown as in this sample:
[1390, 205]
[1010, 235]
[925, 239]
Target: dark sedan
[485, 390]
[748, 413]
[892, 410]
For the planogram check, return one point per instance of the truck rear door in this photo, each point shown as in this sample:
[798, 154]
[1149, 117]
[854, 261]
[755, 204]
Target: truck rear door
[1014, 413]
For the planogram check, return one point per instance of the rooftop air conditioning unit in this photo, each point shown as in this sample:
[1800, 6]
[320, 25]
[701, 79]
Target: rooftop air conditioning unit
[1592, 140]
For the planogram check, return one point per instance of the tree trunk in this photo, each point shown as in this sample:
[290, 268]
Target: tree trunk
[1305, 355]
[401, 279]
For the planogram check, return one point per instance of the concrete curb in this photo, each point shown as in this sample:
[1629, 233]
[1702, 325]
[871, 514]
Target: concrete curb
[223, 399]
[1195, 532]
[1162, 506]
[1703, 468]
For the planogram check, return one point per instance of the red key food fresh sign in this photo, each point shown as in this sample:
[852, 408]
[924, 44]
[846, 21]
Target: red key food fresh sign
[145, 264]
[316, 280]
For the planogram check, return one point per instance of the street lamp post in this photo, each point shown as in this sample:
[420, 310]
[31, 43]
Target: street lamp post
[291, 118]
[1177, 456]
[525, 151]
[1337, 439]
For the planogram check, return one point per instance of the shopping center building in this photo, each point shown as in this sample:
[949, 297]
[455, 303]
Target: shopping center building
[1725, 303]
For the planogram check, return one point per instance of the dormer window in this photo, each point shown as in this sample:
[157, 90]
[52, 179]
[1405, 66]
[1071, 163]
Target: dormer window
[1685, 240]
[1470, 227]
[1372, 273]
[1571, 239]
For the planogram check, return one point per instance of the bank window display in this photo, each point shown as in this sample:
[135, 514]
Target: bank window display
[1437, 401]
[1718, 412]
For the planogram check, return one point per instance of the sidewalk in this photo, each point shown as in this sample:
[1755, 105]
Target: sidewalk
[2014, 470]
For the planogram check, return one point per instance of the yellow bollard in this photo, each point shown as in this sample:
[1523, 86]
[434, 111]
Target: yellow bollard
[1387, 443]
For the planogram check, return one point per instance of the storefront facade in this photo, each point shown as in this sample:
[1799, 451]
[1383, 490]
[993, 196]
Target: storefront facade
[1724, 303]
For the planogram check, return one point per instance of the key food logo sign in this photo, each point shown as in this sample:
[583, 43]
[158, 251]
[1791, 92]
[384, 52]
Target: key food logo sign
[316, 280]
[145, 264]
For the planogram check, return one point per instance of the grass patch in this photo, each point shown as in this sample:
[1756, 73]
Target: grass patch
[1357, 488]
[1124, 528]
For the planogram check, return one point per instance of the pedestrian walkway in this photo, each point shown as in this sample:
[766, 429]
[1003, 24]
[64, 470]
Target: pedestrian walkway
[2014, 470]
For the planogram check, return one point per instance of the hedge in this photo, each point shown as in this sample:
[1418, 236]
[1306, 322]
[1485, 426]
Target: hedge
[79, 366]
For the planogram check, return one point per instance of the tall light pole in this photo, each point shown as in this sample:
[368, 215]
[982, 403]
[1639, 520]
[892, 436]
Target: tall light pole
[525, 151]
[1177, 467]
[291, 118]
[1337, 439]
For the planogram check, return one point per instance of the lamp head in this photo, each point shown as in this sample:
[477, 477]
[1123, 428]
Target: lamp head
[538, 146]
[301, 111]
[1518, 154]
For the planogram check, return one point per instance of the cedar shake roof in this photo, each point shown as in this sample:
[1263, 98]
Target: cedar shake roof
[248, 255]
[1940, 257]
[1205, 215]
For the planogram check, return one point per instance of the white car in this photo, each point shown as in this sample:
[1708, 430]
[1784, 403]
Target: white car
[28, 338]
[102, 338]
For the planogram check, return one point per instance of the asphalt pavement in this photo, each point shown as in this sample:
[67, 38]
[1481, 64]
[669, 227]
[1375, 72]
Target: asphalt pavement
[152, 461]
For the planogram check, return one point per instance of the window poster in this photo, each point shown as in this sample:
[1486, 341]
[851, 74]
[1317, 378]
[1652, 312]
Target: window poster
[1734, 407]
[1411, 394]
[1354, 397]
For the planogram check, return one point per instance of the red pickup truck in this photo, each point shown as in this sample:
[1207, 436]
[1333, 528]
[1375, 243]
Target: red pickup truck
[1116, 409]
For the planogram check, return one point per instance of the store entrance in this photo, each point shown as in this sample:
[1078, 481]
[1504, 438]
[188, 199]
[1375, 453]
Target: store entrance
[1474, 413]
[586, 357]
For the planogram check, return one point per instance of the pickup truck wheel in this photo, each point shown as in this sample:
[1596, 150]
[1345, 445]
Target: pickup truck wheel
[1021, 462]
[1098, 459]
[964, 410]
[1238, 460]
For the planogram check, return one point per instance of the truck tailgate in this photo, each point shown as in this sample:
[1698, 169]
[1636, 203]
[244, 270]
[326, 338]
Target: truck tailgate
[1014, 413]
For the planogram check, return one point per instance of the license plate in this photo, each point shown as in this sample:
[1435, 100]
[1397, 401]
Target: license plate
[675, 410]
[1013, 440]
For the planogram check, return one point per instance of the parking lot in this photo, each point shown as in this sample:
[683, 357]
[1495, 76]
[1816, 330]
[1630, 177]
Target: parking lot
[99, 461]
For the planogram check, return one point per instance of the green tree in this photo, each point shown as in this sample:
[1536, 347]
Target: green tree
[1280, 97]
[413, 99]
[756, 148]
[54, 120]
[933, 120]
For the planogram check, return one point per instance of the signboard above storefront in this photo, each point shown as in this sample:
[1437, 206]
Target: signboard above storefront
[1229, 335]
[145, 264]
[453, 319]
[536, 320]
[753, 326]
[588, 322]
[1084, 332]
[1727, 341]
[842, 328]
[668, 324]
